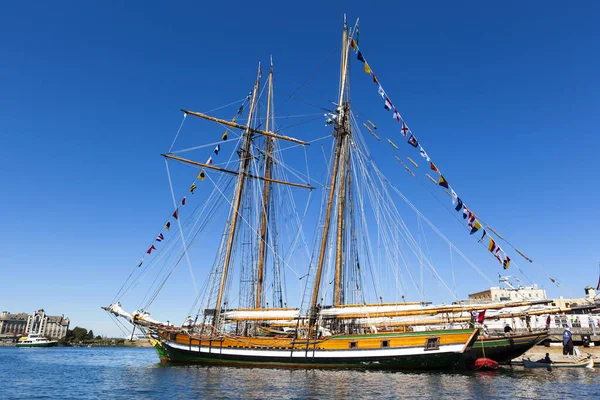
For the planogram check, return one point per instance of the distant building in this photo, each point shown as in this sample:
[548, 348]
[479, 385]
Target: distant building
[53, 327]
[13, 324]
[521, 293]
[587, 302]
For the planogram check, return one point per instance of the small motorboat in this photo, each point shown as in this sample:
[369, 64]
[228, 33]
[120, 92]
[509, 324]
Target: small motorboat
[585, 363]
[485, 364]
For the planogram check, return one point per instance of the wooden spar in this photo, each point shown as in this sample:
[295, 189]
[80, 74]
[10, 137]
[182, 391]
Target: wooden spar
[429, 311]
[339, 252]
[245, 128]
[405, 166]
[412, 162]
[315, 294]
[404, 303]
[497, 234]
[372, 133]
[522, 255]
[244, 162]
[431, 179]
[444, 319]
[449, 319]
[336, 162]
[185, 160]
[393, 144]
[262, 309]
[265, 203]
[343, 131]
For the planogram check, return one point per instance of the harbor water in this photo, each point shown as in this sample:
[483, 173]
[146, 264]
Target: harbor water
[135, 373]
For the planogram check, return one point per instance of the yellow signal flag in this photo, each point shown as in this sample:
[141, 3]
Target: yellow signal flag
[367, 68]
[491, 246]
[476, 226]
[201, 175]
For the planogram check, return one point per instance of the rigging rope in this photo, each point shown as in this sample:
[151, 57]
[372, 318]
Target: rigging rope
[178, 130]
[185, 251]
[248, 224]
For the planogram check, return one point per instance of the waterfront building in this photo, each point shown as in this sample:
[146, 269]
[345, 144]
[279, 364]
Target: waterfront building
[52, 327]
[13, 324]
[510, 293]
[585, 303]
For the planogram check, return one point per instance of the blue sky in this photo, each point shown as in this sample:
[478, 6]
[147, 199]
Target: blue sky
[503, 97]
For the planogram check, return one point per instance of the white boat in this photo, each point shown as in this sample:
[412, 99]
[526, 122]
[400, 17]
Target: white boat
[585, 363]
[36, 341]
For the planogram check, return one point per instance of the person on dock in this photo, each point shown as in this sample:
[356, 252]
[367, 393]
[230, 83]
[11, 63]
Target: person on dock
[567, 342]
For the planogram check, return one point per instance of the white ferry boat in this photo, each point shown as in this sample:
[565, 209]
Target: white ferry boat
[36, 341]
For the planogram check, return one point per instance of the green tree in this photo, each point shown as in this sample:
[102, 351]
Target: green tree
[90, 335]
[79, 333]
[69, 336]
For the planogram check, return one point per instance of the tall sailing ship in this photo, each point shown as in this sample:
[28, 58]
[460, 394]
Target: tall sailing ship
[335, 325]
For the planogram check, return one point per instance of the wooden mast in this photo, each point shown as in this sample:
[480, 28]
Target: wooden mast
[265, 204]
[339, 252]
[343, 130]
[340, 133]
[245, 158]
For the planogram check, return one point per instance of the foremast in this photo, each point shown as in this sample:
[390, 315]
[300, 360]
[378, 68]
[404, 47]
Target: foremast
[245, 157]
[245, 153]
[341, 134]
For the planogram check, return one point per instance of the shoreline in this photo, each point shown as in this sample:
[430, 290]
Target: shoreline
[141, 343]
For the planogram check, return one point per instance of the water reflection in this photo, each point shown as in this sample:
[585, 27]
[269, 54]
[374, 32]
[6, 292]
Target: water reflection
[134, 373]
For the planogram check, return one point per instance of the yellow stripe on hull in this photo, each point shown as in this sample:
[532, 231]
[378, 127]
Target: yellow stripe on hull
[366, 341]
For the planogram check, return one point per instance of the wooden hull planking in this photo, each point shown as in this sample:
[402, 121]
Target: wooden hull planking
[402, 351]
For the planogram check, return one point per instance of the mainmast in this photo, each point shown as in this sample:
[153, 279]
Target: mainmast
[265, 203]
[339, 168]
[245, 158]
